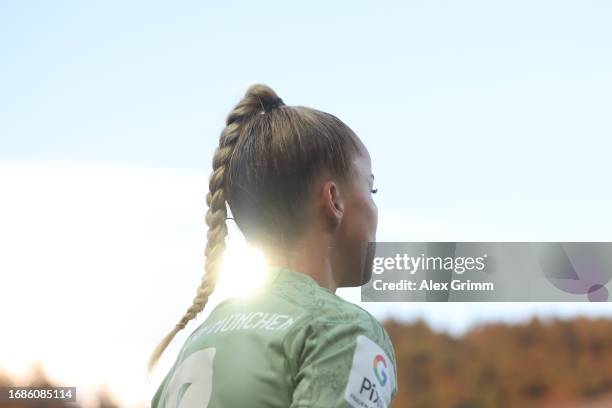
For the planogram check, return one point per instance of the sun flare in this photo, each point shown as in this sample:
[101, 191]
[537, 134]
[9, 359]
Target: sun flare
[242, 271]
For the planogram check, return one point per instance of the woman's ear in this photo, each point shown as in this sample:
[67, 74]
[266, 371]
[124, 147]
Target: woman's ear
[332, 203]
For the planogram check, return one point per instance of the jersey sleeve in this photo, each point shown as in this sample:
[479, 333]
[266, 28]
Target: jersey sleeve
[344, 364]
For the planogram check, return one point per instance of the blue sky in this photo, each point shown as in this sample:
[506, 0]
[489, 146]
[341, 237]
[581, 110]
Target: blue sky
[485, 121]
[505, 105]
[151, 81]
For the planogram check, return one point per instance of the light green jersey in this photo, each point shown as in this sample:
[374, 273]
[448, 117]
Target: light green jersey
[293, 344]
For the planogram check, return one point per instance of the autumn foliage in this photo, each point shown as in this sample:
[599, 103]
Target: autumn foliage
[537, 364]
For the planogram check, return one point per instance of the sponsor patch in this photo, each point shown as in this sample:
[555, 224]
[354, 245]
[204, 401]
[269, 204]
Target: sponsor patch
[372, 377]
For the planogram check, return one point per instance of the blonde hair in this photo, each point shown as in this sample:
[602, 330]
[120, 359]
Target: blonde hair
[268, 157]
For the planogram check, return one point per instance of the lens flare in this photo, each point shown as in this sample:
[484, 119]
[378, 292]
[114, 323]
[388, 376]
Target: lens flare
[242, 272]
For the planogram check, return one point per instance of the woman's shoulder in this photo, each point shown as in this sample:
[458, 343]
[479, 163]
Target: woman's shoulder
[344, 316]
[330, 317]
[335, 352]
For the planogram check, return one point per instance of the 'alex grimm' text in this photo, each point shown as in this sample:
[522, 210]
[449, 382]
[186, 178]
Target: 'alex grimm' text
[430, 285]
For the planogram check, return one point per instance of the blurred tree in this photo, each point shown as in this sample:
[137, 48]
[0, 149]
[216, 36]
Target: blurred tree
[534, 364]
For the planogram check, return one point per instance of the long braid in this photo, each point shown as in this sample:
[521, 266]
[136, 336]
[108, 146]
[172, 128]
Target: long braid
[257, 97]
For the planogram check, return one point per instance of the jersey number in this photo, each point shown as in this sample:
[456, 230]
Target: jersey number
[191, 384]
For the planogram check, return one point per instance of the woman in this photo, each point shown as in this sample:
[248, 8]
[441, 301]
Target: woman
[299, 185]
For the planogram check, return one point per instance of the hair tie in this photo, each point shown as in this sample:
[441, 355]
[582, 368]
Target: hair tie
[273, 104]
[276, 103]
